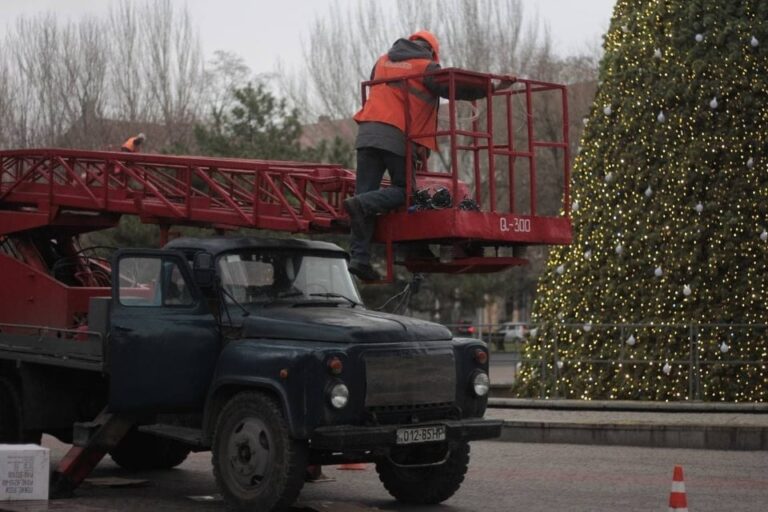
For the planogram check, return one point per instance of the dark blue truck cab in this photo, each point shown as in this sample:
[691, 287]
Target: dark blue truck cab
[261, 351]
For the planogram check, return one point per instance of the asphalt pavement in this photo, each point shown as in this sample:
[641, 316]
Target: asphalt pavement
[564, 455]
[502, 477]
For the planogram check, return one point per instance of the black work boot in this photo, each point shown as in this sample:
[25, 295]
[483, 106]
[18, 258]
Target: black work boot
[364, 271]
[356, 217]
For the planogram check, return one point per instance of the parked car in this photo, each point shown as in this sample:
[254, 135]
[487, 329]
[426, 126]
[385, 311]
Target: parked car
[506, 332]
[512, 331]
[465, 327]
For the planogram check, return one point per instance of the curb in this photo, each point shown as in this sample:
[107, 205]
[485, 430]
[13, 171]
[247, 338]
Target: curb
[655, 436]
[627, 405]
[692, 425]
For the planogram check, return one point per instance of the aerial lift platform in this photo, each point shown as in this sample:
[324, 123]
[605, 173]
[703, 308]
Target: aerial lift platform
[70, 191]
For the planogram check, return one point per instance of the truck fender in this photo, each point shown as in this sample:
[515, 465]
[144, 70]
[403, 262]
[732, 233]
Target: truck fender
[224, 389]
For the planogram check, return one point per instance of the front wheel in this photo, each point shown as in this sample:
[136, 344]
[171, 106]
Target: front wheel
[257, 465]
[425, 485]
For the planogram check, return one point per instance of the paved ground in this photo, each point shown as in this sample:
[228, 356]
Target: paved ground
[508, 476]
[503, 477]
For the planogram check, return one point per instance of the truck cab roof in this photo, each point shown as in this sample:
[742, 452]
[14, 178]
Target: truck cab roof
[220, 244]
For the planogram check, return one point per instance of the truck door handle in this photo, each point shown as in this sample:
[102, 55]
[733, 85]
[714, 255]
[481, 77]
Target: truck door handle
[122, 329]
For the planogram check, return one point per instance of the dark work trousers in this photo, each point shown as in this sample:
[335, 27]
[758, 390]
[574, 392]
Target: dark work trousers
[371, 165]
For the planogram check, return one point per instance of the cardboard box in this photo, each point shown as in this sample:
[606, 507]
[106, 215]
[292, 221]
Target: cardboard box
[24, 472]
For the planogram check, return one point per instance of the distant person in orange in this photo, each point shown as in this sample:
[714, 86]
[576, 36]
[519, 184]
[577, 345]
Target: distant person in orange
[133, 144]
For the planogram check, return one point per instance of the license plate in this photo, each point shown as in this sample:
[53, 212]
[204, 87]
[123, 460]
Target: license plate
[421, 434]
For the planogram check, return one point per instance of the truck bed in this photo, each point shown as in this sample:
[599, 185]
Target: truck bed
[56, 347]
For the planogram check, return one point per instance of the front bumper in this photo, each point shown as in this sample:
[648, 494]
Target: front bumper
[350, 437]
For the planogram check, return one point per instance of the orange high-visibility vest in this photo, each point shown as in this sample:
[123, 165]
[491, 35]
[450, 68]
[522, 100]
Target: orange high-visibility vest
[386, 101]
[130, 145]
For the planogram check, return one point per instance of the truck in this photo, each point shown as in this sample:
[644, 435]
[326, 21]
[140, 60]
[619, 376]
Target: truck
[257, 349]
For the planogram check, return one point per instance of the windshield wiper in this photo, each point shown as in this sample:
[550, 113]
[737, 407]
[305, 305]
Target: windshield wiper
[234, 301]
[336, 295]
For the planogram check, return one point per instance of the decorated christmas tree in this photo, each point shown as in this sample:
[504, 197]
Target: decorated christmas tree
[663, 292]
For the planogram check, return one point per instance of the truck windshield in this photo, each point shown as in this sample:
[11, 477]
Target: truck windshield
[264, 276]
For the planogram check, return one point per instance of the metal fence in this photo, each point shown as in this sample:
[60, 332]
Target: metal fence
[690, 351]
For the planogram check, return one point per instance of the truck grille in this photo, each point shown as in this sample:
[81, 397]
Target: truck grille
[389, 415]
[410, 378]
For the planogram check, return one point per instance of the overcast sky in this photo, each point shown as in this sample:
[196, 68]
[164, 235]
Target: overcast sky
[261, 31]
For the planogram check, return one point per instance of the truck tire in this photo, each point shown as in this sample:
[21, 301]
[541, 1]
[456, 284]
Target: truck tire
[257, 465]
[139, 451]
[426, 485]
[12, 418]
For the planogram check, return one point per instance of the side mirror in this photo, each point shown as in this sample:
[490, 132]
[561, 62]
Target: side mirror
[203, 270]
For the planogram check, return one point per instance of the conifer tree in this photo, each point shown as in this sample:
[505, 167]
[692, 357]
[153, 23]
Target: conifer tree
[670, 215]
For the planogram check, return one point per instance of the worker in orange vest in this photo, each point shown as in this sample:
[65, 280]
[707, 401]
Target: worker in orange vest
[381, 136]
[133, 144]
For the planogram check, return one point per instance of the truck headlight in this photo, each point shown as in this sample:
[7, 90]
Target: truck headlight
[481, 383]
[339, 395]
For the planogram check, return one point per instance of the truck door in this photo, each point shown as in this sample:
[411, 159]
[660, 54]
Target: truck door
[163, 340]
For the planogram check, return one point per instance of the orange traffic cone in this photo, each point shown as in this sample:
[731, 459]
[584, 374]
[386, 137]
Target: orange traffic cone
[678, 502]
[352, 466]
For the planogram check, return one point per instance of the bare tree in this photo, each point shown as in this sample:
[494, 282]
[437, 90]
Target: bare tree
[7, 97]
[224, 73]
[82, 75]
[17, 101]
[173, 67]
[64, 82]
[56, 74]
[129, 98]
[35, 45]
[486, 35]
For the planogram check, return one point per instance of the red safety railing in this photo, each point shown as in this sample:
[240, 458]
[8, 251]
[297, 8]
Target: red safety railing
[492, 224]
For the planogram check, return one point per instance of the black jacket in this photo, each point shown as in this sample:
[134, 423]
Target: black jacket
[391, 138]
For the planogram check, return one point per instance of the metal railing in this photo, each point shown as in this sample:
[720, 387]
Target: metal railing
[689, 353]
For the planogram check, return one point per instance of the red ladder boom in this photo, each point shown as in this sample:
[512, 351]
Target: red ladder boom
[39, 187]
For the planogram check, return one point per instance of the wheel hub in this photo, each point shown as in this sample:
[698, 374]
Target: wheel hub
[250, 452]
[244, 453]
